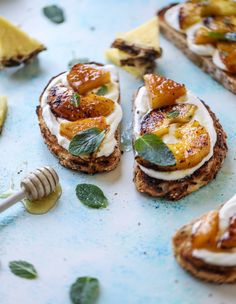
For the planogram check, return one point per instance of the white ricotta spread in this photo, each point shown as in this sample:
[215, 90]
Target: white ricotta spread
[220, 258]
[202, 115]
[113, 120]
[218, 62]
[172, 17]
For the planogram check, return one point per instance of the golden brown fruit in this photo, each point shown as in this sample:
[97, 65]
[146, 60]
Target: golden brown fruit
[205, 234]
[84, 78]
[202, 36]
[221, 24]
[162, 91]
[228, 240]
[70, 129]
[190, 13]
[94, 105]
[227, 52]
[219, 8]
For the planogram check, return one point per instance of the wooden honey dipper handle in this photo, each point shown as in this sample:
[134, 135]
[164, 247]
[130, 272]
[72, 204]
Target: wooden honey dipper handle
[36, 185]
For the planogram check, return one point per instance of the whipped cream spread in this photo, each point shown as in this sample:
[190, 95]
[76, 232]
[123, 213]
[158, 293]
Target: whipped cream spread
[220, 258]
[202, 115]
[113, 120]
[172, 18]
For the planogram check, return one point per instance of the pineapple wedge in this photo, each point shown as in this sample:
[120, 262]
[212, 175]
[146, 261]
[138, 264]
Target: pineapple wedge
[3, 111]
[16, 47]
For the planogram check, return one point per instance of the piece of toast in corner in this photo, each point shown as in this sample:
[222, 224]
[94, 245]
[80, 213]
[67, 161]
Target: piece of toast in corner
[79, 116]
[176, 153]
[206, 247]
[178, 38]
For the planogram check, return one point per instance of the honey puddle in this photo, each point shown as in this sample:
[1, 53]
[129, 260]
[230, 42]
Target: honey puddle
[43, 205]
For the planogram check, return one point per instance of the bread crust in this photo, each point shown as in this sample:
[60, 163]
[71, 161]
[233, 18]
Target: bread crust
[177, 189]
[88, 165]
[183, 252]
[228, 80]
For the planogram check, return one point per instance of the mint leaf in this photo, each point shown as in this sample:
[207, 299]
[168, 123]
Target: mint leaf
[85, 290]
[54, 13]
[102, 91]
[75, 100]
[173, 114]
[86, 141]
[223, 36]
[23, 269]
[91, 196]
[151, 148]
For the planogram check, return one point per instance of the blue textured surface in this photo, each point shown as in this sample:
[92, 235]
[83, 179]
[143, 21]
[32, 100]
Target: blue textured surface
[128, 245]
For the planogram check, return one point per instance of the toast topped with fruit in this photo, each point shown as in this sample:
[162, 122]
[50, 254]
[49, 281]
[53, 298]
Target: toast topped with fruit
[179, 143]
[206, 32]
[206, 247]
[137, 50]
[79, 117]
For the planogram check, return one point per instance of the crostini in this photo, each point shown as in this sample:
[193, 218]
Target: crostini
[136, 51]
[178, 141]
[206, 32]
[206, 247]
[79, 117]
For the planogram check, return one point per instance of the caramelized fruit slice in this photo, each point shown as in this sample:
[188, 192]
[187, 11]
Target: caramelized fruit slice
[227, 52]
[162, 91]
[192, 147]
[202, 36]
[62, 104]
[206, 231]
[219, 8]
[221, 24]
[190, 13]
[84, 78]
[228, 240]
[70, 129]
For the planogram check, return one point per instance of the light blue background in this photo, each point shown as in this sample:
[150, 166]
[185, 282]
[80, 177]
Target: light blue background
[128, 245]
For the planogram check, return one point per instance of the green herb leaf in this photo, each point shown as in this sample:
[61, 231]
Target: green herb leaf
[74, 61]
[23, 269]
[102, 91]
[86, 141]
[151, 148]
[223, 36]
[54, 13]
[91, 196]
[75, 100]
[173, 114]
[85, 290]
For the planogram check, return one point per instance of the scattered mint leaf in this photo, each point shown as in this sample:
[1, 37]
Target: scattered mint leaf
[173, 114]
[75, 100]
[86, 141]
[91, 196]
[151, 148]
[85, 290]
[223, 36]
[102, 90]
[54, 13]
[23, 269]
[75, 61]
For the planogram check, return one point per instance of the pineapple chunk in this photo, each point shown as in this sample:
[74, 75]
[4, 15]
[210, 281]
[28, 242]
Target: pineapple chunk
[93, 105]
[3, 111]
[219, 8]
[206, 231]
[202, 36]
[162, 91]
[227, 51]
[70, 129]
[193, 145]
[190, 13]
[16, 47]
[228, 240]
[221, 24]
[84, 78]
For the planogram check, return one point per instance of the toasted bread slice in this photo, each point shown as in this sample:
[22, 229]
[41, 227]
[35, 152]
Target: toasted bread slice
[177, 189]
[182, 248]
[228, 80]
[90, 164]
[16, 47]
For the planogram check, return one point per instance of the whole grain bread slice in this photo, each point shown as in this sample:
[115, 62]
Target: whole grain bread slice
[90, 164]
[183, 252]
[228, 80]
[177, 189]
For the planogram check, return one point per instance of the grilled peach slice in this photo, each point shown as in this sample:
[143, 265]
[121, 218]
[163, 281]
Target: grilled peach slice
[84, 78]
[205, 233]
[227, 52]
[228, 240]
[190, 13]
[202, 36]
[70, 129]
[93, 105]
[162, 91]
[219, 8]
